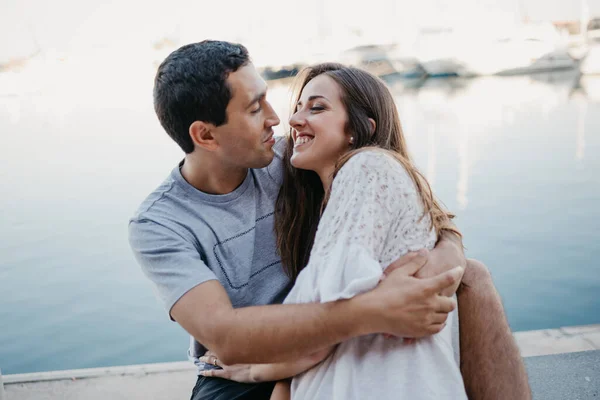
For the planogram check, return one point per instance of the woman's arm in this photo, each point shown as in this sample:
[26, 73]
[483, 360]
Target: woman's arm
[282, 390]
[279, 371]
[253, 373]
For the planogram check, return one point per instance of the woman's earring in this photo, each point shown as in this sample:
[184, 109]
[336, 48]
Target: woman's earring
[351, 139]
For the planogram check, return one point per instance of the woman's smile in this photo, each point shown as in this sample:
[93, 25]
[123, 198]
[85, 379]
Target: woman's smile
[303, 139]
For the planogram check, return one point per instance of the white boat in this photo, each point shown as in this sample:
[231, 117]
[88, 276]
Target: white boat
[438, 52]
[382, 60]
[553, 61]
[444, 67]
[518, 50]
[372, 58]
[593, 30]
[529, 49]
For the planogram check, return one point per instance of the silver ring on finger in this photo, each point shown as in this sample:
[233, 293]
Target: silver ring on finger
[215, 362]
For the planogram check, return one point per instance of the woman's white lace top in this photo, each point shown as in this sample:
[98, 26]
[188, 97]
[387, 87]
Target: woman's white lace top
[373, 217]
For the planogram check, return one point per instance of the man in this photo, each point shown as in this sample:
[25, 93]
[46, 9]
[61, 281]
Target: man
[205, 238]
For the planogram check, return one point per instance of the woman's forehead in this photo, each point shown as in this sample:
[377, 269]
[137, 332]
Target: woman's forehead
[321, 85]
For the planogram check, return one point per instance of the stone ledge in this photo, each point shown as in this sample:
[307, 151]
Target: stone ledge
[552, 376]
[73, 374]
[555, 341]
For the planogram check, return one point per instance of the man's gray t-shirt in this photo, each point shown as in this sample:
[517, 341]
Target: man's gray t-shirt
[183, 237]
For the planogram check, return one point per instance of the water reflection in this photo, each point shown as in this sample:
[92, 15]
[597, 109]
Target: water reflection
[469, 110]
[582, 106]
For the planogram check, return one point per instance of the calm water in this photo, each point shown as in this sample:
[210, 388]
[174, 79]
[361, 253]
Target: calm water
[516, 158]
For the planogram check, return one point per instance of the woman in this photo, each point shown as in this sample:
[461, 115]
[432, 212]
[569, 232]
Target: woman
[355, 202]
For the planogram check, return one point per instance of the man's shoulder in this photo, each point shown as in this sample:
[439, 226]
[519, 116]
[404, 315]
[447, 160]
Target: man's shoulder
[168, 213]
[160, 204]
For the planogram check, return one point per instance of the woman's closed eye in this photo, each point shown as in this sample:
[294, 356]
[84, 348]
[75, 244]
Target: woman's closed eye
[257, 110]
[313, 108]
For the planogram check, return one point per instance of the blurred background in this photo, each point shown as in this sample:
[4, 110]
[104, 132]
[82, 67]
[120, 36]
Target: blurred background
[499, 100]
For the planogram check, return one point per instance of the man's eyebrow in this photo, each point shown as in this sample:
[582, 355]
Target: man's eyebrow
[257, 98]
[311, 98]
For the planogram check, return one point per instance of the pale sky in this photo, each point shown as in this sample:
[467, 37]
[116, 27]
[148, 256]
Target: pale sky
[73, 25]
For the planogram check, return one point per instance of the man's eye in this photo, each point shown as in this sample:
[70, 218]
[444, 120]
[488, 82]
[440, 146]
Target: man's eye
[256, 111]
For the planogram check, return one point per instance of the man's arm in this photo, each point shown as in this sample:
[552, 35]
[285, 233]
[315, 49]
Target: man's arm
[491, 365]
[450, 236]
[401, 305]
[447, 254]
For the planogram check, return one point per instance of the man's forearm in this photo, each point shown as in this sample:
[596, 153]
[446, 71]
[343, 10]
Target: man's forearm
[277, 333]
[491, 365]
[258, 335]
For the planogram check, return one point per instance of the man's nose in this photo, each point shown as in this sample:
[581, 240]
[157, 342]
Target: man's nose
[273, 119]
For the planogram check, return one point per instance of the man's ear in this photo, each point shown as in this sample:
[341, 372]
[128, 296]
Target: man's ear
[373, 125]
[202, 135]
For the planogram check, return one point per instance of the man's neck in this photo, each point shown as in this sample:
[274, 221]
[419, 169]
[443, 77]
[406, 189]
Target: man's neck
[210, 176]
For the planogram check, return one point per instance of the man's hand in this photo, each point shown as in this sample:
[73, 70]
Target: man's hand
[447, 254]
[407, 306]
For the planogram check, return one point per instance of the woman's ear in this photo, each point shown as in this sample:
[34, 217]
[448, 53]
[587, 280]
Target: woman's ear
[373, 125]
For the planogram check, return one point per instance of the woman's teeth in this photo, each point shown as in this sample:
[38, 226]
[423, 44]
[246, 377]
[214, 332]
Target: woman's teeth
[303, 139]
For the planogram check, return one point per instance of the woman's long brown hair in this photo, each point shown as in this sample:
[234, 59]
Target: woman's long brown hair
[302, 198]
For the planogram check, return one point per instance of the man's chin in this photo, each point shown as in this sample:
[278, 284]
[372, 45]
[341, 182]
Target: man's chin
[265, 160]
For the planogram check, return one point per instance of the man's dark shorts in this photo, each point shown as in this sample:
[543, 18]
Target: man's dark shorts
[222, 389]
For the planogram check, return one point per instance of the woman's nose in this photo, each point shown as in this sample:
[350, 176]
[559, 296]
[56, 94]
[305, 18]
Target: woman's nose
[296, 120]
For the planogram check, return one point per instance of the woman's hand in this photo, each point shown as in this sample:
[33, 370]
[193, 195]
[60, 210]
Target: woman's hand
[240, 372]
[253, 373]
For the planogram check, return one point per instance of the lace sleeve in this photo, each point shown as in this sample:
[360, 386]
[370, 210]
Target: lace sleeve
[373, 217]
